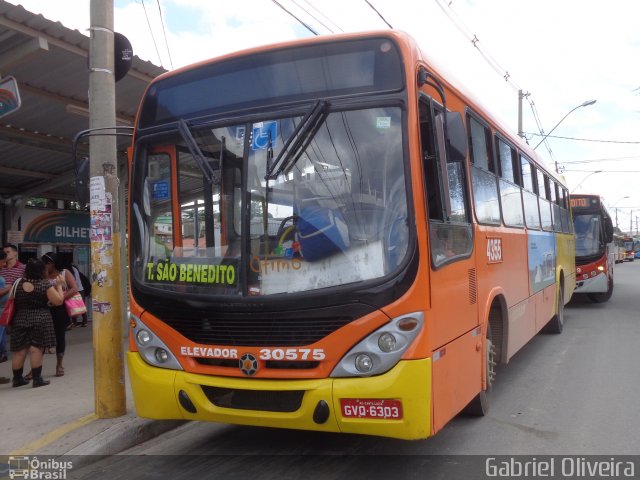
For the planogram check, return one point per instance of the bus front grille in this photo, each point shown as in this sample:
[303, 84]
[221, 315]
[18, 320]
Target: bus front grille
[272, 364]
[262, 400]
[263, 332]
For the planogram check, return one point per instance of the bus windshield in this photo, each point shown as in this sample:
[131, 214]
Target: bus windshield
[213, 216]
[588, 235]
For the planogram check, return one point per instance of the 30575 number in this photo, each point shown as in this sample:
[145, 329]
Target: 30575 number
[292, 354]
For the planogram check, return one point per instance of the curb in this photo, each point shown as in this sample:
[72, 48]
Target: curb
[120, 437]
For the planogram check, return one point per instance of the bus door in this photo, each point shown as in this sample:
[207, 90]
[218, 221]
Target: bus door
[452, 322]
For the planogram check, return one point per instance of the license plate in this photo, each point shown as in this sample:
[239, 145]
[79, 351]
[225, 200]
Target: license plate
[371, 408]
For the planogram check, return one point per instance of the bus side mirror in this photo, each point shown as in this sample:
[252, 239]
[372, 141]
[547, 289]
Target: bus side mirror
[457, 137]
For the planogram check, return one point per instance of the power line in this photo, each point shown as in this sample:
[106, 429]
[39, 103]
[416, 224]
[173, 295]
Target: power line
[151, 31]
[311, 15]
[475, 41]
[379, 14]
[493, 63]
[598, 160]
[164, 31]
[300, 21]
[536, 117]
[321, 13]
[603, 171]
[584, 139]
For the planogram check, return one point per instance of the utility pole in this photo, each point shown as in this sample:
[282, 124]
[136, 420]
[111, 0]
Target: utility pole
[108, 362]
[520, 97]
[616, 217]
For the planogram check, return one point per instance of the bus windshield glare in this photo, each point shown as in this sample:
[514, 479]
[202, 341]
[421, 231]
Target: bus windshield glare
[588, 235]
[336, 214]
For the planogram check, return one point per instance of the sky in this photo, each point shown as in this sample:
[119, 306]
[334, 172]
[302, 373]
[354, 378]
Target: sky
[561, 53]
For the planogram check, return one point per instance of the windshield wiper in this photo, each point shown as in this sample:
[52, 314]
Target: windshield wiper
[195, 151]
[298, 141]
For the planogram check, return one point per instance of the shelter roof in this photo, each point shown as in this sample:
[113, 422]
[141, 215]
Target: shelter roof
[49, 62]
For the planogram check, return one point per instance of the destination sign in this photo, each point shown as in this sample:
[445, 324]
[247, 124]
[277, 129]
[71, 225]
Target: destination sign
[195, 273]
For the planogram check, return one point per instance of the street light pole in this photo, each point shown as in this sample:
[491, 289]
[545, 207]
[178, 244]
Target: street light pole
[619, 200]
[592, 173]
[584, 104]
[614, 207]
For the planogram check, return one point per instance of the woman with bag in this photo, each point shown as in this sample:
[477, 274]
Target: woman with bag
[61, 319]
[31, 328]
[4, 351]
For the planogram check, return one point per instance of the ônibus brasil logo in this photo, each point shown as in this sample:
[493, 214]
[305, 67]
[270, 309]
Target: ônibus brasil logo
[38, 469]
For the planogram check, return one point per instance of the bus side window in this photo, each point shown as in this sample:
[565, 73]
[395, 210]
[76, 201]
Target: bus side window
[430, 162]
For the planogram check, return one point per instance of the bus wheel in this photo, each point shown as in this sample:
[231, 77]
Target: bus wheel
[556, 324]
[479, 406]
[602, 297]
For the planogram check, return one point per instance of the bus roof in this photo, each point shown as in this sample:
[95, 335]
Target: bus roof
[417, 55]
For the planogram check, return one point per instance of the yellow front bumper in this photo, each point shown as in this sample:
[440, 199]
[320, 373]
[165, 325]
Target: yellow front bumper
[156, 391]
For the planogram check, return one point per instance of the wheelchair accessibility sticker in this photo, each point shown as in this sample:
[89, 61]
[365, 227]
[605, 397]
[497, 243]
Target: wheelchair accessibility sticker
[264, 135]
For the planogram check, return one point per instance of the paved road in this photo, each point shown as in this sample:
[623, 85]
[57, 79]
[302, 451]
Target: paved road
[570, 394]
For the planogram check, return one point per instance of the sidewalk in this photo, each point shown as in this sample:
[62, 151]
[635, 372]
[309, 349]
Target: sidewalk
[59, 418]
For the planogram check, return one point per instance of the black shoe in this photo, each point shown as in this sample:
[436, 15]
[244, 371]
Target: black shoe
[4, 380]
[40, 382]
[3, 358]
[19, 382]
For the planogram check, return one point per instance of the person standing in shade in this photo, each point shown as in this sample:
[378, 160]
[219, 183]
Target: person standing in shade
[32, 328]
[10, 270]
[61, 320]
[4, 352]
[13, 269]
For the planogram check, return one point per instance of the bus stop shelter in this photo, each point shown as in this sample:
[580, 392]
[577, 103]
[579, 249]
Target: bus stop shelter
[50, 65]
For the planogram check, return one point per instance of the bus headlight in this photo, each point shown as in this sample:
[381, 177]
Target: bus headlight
[161, 355]
[381, 350]
[151, 348]
[364, 363]
[143, 337]
[387, 342]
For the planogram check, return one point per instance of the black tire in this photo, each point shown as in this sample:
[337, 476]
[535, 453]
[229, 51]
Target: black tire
[556, 324]
[479, 406]
[602, 297]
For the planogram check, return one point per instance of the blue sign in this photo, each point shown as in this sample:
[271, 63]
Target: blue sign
[59, 227]
[262, 133]
[160, 190]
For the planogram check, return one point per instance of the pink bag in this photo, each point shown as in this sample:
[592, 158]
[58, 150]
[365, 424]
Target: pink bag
[75, 306]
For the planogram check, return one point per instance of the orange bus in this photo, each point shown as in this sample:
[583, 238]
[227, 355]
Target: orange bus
[595, 251]
[354, 243]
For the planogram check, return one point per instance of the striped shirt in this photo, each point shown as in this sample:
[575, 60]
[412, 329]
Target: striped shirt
[11, 274]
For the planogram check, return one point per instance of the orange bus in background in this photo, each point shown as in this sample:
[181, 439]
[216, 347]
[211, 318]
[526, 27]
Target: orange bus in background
[328, 235]
[596, 253]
